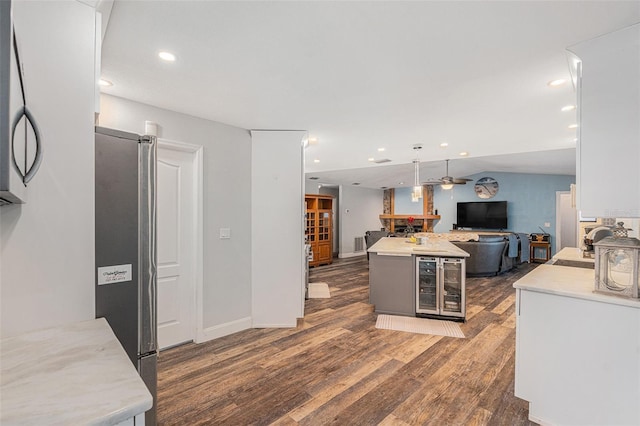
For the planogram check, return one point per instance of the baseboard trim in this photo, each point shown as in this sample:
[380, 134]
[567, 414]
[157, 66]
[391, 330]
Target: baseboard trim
[352, 254]
[222, 330]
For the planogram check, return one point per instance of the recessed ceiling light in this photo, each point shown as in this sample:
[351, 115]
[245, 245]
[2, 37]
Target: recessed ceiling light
[464, 154]
[355, 183]
[568, 108]
[313, 140]
[573, 126]
[575, 140]
[316, 161]
[556, 83]
[444, 145]
[105, 83]
[314, 178]
[167, 56]
[380, 149]
[372, 159]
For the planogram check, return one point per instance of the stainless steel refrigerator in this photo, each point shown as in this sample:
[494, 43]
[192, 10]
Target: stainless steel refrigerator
[125, 202]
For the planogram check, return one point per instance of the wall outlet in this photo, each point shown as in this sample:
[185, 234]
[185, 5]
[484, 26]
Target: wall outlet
[225, 233]
[547, 225]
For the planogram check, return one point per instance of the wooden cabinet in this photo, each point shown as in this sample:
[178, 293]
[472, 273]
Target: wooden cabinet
[608, 149]
[318, 230]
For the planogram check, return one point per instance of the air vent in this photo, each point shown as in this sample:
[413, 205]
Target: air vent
[314, 178]
[384, 160]
[358, 243]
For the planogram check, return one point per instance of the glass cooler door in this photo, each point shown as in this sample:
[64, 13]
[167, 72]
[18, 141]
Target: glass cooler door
[427, 285]
[453, 298]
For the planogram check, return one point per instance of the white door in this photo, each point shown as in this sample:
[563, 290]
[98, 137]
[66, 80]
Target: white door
[176, 245]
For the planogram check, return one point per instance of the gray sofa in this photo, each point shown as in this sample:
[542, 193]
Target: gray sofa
[485, 255]
[495, 254]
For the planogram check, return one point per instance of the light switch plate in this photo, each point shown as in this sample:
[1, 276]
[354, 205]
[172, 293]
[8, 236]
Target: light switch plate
[225, 233]
[547, 225]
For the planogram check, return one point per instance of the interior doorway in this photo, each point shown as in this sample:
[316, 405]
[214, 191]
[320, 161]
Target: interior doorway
[334, 191]
[566, 221]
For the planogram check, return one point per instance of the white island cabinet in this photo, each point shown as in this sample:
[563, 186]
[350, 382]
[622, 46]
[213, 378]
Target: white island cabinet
[77, 374]
[577, 352]
[608, 84]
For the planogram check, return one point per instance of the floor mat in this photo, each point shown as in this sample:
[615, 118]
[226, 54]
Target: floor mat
[319, 291]
[419, 325]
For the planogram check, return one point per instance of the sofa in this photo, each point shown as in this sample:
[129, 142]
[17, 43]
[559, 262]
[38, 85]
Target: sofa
[494, 254]
[485, 255]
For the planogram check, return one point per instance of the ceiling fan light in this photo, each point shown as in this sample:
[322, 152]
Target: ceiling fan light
[446, 186]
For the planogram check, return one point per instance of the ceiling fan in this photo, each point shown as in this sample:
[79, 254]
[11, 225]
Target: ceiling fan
[447, 181]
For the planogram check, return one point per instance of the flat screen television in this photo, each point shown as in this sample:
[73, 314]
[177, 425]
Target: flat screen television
[482, 214]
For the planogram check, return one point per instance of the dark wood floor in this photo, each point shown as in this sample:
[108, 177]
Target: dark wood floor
[337, 368]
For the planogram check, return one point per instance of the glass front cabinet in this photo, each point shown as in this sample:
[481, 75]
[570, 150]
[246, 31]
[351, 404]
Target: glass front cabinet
[440, 287]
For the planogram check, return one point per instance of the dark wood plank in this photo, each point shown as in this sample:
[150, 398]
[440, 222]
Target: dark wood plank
[335, 367]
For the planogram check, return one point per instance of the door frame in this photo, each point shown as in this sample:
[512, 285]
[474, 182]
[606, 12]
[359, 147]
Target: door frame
[198, 213]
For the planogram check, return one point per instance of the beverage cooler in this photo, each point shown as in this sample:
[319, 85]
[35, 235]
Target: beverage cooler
[440, 287]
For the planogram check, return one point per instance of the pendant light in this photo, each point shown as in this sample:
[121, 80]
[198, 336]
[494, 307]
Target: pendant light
[416, 193]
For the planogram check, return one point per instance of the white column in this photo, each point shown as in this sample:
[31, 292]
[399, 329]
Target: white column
[277, 198]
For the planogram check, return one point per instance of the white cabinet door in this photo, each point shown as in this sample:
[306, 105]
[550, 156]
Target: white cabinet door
[577, 361]
[608, 134]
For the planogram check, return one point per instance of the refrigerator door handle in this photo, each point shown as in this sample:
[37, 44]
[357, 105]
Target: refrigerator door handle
[147, 320]
[29, 171]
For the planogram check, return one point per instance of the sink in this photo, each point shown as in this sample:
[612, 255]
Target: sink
[575, 263]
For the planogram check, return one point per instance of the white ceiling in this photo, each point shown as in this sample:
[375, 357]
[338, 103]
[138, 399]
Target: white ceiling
[366, 75]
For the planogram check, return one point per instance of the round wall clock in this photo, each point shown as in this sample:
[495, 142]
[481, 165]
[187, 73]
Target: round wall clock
[486, 187]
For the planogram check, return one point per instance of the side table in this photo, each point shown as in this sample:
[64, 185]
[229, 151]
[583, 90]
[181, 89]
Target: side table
[533, 245]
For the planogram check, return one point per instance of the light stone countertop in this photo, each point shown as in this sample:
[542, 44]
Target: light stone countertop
[573, 254]
[393, 246]
[570, 282]
[77, 374]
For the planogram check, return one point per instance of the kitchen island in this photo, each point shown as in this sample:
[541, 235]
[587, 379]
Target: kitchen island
[77, 374]
[394, 278]
[577, 352]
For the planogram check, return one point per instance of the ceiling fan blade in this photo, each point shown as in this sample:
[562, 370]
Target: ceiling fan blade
[432, 182]
[461, 181]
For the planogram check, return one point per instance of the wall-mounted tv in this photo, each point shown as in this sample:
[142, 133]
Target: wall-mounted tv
[482, 214]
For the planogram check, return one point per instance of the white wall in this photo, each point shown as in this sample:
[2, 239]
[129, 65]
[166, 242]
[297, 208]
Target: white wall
[277, 256]
[47, 245]
[311, 187]
[227, 204]
[360, 209]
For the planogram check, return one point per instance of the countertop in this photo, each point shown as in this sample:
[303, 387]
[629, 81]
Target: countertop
[570, 282]
[392, 246]
[75, 374]
[572, 254]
